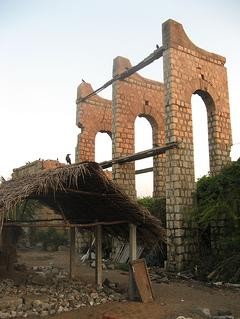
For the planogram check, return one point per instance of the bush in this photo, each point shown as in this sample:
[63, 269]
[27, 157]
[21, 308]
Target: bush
[218, 197]
[156, 206]
[156, 255]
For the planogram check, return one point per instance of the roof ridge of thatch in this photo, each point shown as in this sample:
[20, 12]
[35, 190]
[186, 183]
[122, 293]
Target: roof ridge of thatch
[78, 190]
[42, 181]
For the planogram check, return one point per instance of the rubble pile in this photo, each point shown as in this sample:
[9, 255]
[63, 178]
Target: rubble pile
[48, 291]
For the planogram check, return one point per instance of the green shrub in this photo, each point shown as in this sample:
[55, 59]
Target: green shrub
[155, 255]
[218, 197]
[156, 206]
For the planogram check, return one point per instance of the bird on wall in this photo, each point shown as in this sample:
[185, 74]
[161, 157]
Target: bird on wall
[68, 159]
[157, 46]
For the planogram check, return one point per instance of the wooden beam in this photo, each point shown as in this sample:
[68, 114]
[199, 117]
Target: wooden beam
[98, 257]
[75, 191]
[156, 54]
[144, 170]
[140, 155]
[39, 220]
[132, 256]
[72, 252]
[31, 224]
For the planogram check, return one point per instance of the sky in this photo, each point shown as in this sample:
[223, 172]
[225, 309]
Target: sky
[48, 46]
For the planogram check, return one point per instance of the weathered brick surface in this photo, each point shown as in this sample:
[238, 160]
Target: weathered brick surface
[187, 70]
[93, 116]
[34, 167]
[135, 96]
[132, 97]
[190, 70]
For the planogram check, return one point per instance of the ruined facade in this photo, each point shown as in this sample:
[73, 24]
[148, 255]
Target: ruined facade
[35, 167]
[187, 70]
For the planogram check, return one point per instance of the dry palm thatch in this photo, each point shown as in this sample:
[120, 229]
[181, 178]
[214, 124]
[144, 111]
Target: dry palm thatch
[82, 194]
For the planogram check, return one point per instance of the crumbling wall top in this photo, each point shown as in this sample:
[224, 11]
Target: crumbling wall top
[174, 36]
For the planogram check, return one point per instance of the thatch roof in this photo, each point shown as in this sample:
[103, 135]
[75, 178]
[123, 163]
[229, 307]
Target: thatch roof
[82, 194]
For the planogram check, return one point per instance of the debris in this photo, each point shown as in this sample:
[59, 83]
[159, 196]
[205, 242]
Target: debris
[227, 270]
[56, 296]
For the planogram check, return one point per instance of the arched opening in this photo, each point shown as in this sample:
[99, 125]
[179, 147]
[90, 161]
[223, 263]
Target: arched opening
[103, 147]
[200, 135]
[143, 141]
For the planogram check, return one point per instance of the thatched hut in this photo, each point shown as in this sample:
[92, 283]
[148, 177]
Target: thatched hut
[84, 197]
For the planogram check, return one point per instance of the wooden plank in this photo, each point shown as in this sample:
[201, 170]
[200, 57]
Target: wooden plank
[142, 279]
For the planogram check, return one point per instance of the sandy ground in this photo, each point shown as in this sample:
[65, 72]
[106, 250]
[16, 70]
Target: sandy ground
[187, 298]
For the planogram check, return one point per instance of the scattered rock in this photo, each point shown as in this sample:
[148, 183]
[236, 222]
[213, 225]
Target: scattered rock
[223, 314]
[10, 302]
[205, 312]
[48, 292]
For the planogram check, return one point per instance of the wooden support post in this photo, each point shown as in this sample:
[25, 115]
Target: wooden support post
[98, 253]
[132, 256]
[72, 252]
[1, 239]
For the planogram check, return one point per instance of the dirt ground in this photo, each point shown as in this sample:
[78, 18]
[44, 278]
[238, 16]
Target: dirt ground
[186, 298]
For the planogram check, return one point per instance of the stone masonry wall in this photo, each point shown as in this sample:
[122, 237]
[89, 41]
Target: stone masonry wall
[35, 166]
[132, 97]
[93, 116]
[190, 70]
[187, 70]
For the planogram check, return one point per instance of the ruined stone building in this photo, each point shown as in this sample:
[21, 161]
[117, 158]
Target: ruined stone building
[187, 70]
[34, 167]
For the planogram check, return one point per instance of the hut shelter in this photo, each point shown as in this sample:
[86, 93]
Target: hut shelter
[84, 198]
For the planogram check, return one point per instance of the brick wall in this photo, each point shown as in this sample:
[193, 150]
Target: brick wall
[190, 70]
[34, 167]
[132, 97]
[93, 116]
[187, 70]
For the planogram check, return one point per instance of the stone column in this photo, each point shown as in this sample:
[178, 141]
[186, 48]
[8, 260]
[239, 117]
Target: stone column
[188, 70]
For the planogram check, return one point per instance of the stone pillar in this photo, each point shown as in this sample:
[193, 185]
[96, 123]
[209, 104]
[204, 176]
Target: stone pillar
[123, 133]
[188, 70]
[132, 97]
[159, 174]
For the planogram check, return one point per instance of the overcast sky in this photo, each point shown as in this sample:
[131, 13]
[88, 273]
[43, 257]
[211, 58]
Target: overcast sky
[48, 46]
